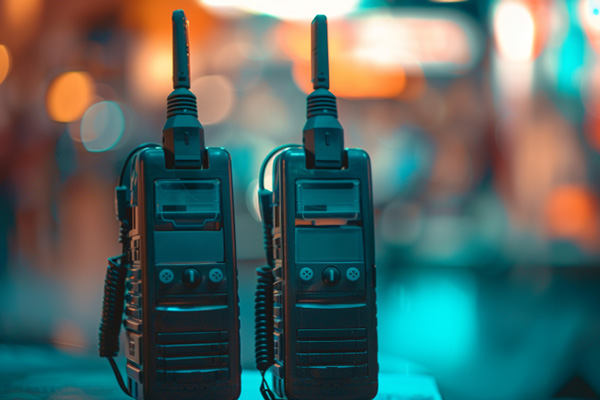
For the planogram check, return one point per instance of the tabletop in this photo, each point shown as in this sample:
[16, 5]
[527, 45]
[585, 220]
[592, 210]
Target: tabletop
[38, 372]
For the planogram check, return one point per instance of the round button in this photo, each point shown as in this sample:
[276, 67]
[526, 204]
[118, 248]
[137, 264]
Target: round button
[215, 275]
[331, 276]
[166, 276]
[352, 274]
[191, 278]
[306, 274]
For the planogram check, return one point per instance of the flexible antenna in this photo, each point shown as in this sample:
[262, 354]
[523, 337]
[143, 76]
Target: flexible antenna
[323, 136]
[181, 51]
[183, 135]
[320, 53]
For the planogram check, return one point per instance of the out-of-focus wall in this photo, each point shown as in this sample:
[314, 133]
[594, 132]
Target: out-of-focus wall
[482, 124]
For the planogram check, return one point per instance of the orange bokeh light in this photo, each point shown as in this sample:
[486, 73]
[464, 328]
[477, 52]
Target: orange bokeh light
[69, 95]
[152, 18]
[572, 213]
[350, 78]
[4, 62]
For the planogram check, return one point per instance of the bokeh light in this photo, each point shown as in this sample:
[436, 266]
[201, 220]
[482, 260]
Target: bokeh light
[359, 81]
[351, 76]
[4, 62]
[102, 126]
[288, 9]
[589, 15]
[572, 212]
[69, 95]
[216, 98]
[150, 72]
[364, 63]
[441, 42]
[485, 243]
[514, 29]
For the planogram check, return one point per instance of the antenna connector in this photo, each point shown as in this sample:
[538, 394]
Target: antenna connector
[323, 135]
[183, 135]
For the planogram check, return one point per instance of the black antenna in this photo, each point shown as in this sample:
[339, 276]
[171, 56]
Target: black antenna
[183, 135]
[181, 51]
[323, 136]
[320, 53]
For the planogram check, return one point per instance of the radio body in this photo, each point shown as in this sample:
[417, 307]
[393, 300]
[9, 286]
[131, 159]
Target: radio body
[175, 206]
[325, 326]
[316, 316]
[182, 317]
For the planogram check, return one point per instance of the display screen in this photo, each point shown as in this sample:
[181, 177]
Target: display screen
[329, 245]
[187, 204]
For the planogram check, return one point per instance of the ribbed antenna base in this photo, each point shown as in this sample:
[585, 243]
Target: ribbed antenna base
[321, 102]
[182, 102]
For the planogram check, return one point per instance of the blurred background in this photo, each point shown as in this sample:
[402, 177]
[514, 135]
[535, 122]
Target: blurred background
[482, 119]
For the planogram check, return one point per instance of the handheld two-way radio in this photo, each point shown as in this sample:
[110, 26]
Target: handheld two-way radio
[175, 206]
[315, 304]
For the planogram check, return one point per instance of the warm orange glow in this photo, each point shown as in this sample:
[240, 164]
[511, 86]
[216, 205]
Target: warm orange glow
[350, 78]
[69, 95]
[152, 19]
[383, 55]
[572, 213]
[21, 15]
[150, 62]
[150, 71]
[4, 62]
[293, 39]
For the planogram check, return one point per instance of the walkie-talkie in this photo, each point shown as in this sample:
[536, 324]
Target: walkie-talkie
[315, 305]
[175, 206]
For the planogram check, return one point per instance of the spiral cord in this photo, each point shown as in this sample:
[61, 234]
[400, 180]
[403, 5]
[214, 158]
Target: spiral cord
[113, 301]
[263, 301]
[112, 308]
[263, 318]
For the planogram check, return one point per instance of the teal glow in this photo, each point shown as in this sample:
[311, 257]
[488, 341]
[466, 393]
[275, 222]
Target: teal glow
[432, 320]
[572, 54]
[102, 126]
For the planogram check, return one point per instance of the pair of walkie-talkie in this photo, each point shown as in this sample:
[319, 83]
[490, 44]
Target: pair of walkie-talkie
[315, 304]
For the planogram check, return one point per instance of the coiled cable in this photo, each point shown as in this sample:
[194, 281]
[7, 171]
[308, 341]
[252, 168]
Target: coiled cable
[263, 301]
[112, 307]
[263, 319]
[112, 311]
[113, 301]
